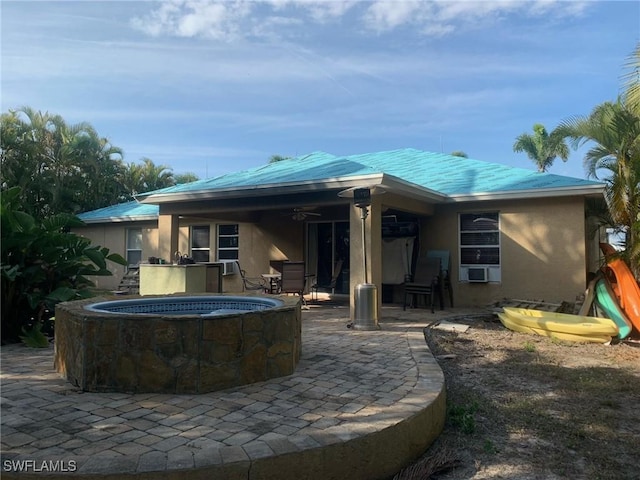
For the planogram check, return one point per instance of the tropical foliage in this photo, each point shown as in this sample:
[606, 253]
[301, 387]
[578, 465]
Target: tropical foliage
[63, 168]
[631, 82]
[614, 157]
[459, 153]
[41, 264]
[542, 147]
[58, 167]
[51, 170]
[181, 178]
[277, 158]
[145, 177]
[613, 130]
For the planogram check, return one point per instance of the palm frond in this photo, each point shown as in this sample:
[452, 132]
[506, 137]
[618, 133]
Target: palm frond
[631, 81]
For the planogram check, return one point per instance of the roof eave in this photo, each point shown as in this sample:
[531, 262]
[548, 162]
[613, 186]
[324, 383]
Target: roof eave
[120, 219]
[581, 190]
[264, 189]
[402, 187]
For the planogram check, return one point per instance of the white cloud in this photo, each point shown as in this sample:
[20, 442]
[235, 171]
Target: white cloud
[226, 20]
[465, 10]
[385, 15]
[441, 17]
[195, 18]
[322, 11]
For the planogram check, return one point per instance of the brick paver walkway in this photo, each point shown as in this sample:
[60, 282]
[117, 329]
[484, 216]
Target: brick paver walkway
[375, 397]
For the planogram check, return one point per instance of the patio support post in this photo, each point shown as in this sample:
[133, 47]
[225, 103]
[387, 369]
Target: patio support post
[168, 232]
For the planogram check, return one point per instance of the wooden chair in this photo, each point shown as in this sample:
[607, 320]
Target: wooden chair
[445, 264]
[426, 281]
[249, 283]
[293, 279]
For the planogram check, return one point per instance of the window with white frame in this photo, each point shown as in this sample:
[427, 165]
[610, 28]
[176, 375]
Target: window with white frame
[479, 244]
[228, 242]
[200, 243]
[134, 246]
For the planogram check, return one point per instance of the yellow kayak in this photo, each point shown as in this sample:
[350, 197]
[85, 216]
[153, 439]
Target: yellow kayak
[569, 337]
[563, 322]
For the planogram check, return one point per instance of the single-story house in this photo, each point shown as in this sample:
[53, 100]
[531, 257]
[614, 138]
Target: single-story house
[511, 232]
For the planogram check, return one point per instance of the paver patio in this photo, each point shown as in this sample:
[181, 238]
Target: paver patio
[361, 404]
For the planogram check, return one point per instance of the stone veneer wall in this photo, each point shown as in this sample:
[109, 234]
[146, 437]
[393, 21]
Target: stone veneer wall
[101, 352]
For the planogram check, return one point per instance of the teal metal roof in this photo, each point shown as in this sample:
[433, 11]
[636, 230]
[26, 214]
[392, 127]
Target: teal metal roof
[316, 166]
[452, 175]
[123, 212]
[445, 174]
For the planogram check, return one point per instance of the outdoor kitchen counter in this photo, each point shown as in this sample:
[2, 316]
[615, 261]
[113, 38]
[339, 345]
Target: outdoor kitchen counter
[161, 279]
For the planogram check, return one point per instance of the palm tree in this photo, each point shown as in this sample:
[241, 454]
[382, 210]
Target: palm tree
[615, 158]
[60, 168]
[631, 82]
[88, 171]
[28, 156]
[146, 177]
[102, 170]
[156, 176]
[542, 147]
[277, 158]
[187, 177]
[614, 127]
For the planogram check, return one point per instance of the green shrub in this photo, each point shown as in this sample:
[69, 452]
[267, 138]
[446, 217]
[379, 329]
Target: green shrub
[463, 417]
[34, 337]
[41, 264]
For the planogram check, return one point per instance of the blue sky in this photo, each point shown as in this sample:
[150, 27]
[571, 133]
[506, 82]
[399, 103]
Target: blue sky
[211, 87]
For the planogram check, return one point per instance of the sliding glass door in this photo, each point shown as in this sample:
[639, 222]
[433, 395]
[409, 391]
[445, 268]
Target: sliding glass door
[328, 254]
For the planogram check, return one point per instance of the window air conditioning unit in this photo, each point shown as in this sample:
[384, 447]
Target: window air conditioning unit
[228, 267]
[478, 274]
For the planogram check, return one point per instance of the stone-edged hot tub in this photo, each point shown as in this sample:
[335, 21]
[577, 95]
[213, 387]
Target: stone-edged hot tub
[176, 343]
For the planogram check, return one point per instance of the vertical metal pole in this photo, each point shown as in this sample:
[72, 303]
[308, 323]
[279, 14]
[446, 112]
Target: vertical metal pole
[363, 216]
[365, 294]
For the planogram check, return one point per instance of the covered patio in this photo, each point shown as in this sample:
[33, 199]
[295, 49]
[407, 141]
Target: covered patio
[303, 222]
[506, 230]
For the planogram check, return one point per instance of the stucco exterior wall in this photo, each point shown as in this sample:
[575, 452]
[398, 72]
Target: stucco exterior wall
[543, 251]
[544, 254]
[270, 239]
[114, 237]
[274, 237]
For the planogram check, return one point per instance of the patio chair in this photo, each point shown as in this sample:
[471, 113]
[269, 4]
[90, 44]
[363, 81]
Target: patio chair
[426, 282]
[445, 263]
[331, 285]
[251, 283]
[293, 279]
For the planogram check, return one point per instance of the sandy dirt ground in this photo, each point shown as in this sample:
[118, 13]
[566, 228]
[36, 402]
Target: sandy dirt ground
[526, 407]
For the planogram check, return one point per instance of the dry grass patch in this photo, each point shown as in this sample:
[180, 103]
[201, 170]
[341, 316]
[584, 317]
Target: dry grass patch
[528, 407]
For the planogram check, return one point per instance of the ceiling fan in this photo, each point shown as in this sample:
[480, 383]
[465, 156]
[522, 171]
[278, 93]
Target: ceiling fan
[301, 213]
